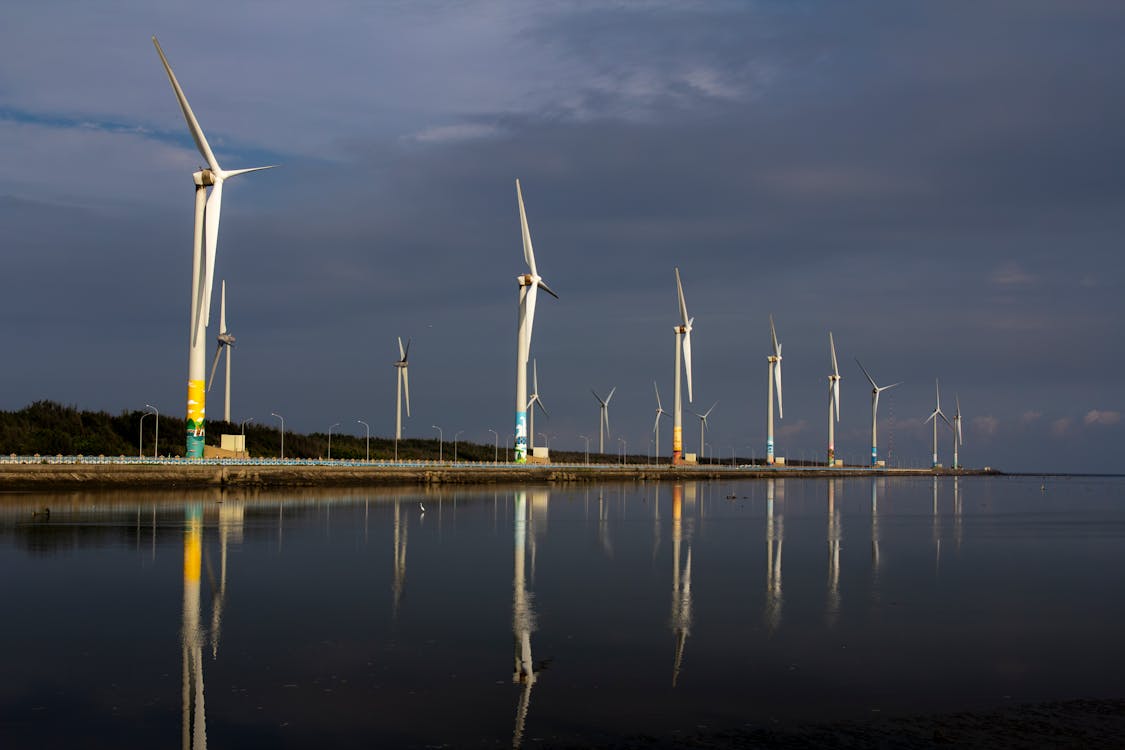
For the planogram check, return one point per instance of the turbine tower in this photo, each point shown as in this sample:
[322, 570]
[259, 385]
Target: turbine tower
[937, 412]
[833, 402]
[659, 413]
[875, 391]
[957, 439]
[402, 364]
[226, 343]
[207, 210]
[530, 283]
[532, 402]
[683, 346]
[603, 417]
[773, 376]
[703, 424]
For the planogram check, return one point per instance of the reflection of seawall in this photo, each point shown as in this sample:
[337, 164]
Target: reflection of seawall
[25, 476]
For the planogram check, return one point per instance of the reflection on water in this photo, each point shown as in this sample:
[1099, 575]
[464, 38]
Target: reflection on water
[301, 653]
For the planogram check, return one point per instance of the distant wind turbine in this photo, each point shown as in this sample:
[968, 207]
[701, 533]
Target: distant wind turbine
[207, 211]
[659, 413]
[226, 343]
[875, 391]
[402, 364]
[703, 424]
[603, 417]
[957, 439]
[529, 283]
[833, 402]
[683, 348]
[937, 412]
[532, 402]
[773, 378]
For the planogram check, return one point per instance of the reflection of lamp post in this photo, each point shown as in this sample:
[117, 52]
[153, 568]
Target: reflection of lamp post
[156, 439]
[275, 414]
[495, 445]
[455, 445]
[440, 442]
[367, 427]
[587, 448]
[330, 440]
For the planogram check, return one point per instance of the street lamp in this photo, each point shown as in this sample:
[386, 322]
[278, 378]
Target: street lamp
[495, 446]
[156, 440]
[275, 414]
[330, 440]
[587, 448]
[141, 435]
[368, 428]
[623, 446]
[440, 442]
[455, 445]
[243, 426]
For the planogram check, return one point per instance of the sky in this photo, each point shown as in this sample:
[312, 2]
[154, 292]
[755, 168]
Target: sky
[940, 185]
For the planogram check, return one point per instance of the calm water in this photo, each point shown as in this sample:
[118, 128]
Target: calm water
[356, 620]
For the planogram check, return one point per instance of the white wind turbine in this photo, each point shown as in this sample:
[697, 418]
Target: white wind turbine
[659, 413]
[833, 402]
[402, 364]
[957, 439]
[937, 412]
[703, 424]
[226, 343]
[532, 402]
[530, 283]
[683, 347]
[773, 377]
[207, 211]
[603, 417]
[875, 391]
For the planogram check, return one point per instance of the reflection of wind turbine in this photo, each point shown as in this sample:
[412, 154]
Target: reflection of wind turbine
[603, 417]
[683, 348]
[773, 377]
[681, 584]
[530, 283]
[231, 519]
[402, 364]
[207, 210]
[656, 425]
[834, 534]
[226, 343]
[957, 439]
[936, 522]
[875, 391]
[400, 529]
[532, 402]
[194, 727]
[775, 536]
[703, 424]
[937, 412]
[874, 525]
[523, 621]
[833, 402]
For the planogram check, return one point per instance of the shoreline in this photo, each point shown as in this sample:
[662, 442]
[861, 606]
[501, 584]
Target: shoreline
[156, 475]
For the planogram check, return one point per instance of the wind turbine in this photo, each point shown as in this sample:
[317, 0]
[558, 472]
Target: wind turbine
[532, 402]
[659, 413]
[683, 346]
[226, 343]
[937, 412]
[833, 402]
[207, 210]
[875, 391]
[530, 283]
[603, 417]
[957, 439]
[773, 376]
[703, 424]
[402, 364]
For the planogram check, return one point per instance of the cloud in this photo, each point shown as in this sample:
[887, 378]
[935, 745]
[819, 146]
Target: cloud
[1061, 427]
[986, 425]
[1101, 417]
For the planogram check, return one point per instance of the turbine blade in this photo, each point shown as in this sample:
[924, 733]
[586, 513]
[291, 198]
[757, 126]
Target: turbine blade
[687, 361]
[865, 372]
[958, 400]
[659, 406]
[708, 412]
[226, 174]
[605, 415]
[599, 398]
[777, 380]
[892, 385]
[944, 419]
[607, 398]
[832, 346]
[406, 387]
[535, 378]
[543, 285]
[223, 308]
[836, 397]
[406, 354]
[937, 394]
[528, 251]
[960, 439]
[211, 225]
[529, 311]
[189, 116]
[656, 424]
[683, 305]
[401, 351]
[541, 407]
[933, 414]
[214, 366]
[773, 337]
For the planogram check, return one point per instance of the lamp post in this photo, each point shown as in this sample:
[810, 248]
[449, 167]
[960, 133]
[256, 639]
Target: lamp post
[141, 435]
[495, 446]
[275, 414]
[330, 440]
[624, 445]
[156, 440]
[587, 448]
[367, 427]
[455, 445]
[243, 426]
[440, 442]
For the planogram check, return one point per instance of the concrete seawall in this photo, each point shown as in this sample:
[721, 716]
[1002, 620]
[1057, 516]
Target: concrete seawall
[44, 476]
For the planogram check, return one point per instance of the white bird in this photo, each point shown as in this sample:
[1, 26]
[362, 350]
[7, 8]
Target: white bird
[422, 507]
